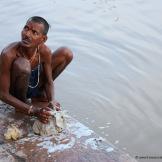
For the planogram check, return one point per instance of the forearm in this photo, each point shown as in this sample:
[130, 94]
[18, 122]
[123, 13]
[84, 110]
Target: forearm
[16, 103]
[53, 104]
[49, 88]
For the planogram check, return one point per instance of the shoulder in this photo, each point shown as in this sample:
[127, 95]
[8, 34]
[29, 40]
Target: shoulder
[10, 51]
[7, 57]
[43, 49]
[45, 52]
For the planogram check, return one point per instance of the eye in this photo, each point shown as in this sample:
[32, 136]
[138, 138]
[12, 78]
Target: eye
[35, 32]
[26, 28]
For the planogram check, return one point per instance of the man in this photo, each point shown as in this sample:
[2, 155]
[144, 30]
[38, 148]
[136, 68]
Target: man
[28, 69]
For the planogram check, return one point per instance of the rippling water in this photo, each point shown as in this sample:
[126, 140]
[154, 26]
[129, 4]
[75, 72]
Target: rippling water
[114, 82]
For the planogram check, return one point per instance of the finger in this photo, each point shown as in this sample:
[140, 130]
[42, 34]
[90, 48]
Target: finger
[44, 120]
[44, 117]
[58, 108]
[47, 108]
[46, 113]
[58, 104]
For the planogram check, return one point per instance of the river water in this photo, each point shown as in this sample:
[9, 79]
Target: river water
[114, 84]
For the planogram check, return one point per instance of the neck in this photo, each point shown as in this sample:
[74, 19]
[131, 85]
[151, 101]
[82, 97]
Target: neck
[29, 52]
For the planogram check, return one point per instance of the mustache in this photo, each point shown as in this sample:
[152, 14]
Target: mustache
[26, 39]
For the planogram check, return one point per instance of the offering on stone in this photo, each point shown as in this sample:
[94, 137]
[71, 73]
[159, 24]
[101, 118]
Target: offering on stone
[55, 125]
[12, 133]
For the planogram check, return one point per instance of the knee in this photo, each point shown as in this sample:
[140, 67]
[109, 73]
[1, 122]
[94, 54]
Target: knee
[67, 54]
[22, 65]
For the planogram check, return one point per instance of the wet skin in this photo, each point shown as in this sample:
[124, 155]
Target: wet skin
[19, 58]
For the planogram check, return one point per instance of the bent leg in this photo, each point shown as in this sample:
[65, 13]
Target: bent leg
[20, 74]
[60, 59]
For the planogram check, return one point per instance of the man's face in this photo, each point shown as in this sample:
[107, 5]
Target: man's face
[32, 34]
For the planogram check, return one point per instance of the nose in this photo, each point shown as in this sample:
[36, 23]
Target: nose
[28, 33]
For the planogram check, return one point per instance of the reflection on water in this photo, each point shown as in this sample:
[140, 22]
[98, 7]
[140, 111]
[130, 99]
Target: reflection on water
[114, 83]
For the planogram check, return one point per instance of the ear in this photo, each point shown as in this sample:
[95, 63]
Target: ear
[44, 38]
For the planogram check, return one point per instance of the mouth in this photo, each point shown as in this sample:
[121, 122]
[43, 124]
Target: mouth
[26, 41]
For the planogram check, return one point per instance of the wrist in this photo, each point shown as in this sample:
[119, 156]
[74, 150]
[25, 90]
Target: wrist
[51, 105]
[30, 110]
[33, 111]
[54, 105]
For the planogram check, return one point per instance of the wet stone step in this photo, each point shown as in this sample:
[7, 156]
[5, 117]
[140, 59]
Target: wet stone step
[75, 144]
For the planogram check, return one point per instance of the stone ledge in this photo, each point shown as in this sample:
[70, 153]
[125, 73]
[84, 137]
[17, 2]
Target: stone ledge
[76, 144]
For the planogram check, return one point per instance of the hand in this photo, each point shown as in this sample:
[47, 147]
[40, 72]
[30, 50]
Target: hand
[54, 105]
[43, 115]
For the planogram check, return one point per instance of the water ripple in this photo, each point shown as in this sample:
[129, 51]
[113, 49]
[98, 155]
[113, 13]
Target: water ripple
[116, 73]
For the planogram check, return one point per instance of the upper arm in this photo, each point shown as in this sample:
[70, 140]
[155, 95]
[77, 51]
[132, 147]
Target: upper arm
[5, 65]
[47, 58]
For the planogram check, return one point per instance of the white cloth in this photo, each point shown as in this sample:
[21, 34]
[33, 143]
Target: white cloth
[55, 125]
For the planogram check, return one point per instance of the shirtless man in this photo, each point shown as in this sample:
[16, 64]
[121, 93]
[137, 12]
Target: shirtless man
[28, 69]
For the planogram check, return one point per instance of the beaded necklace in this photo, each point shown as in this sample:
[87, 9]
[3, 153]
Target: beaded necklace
[31, 60]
